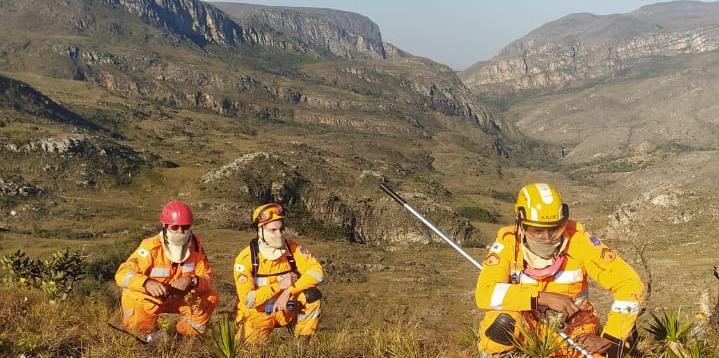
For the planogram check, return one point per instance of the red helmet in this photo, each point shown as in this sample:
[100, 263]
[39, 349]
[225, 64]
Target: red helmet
[176, 213]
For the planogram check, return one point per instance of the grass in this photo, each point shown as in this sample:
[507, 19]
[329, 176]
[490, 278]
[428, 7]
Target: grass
[78, 327]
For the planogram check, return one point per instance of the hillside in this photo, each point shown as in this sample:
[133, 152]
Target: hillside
[583, 47]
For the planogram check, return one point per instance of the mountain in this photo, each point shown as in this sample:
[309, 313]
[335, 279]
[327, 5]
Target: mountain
[337, 33]
[583, 47]
[195, 91]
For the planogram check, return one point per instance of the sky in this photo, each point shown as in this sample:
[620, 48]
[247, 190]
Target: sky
[458, 33]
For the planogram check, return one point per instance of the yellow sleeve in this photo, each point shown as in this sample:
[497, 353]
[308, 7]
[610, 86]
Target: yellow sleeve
[610, 271]
[310, 269]
[249, 297]
[131, 274]
[494, 288]
[204, 273]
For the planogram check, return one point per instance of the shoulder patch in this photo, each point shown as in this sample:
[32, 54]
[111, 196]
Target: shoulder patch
[491, 259]
[143, 252]
[240, 268]
[593, 239]
[242, 279]
[497, 247]
[304, 251]
[608, 255]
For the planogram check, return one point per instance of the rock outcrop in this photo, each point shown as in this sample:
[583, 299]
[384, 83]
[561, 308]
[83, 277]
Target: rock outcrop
[583, 47]
[309, 184]
[81, 159]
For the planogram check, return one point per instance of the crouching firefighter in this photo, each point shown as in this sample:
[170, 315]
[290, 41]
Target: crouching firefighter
[540, 266]
[276, 281]
[168, 273]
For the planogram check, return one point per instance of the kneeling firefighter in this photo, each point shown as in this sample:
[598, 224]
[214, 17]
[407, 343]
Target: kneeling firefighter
[168, 273]
[540, 265]
[276, 281]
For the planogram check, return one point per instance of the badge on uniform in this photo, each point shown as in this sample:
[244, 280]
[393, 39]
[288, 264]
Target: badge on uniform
[608, 255]
[491, 259]
[143, 252]
[593, 239]
[305, 252]
[496, 247]
[243, 279]
[240, 268]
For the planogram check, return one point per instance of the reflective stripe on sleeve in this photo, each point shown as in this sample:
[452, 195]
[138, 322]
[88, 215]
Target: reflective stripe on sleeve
[500, 290]
[250, 299]
[569, 276]
[316, 275]
[625, 306]
[188, 267]
[126, 280]
[160, 272]
[261, 281]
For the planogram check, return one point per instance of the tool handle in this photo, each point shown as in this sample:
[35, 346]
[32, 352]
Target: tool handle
[391, 193]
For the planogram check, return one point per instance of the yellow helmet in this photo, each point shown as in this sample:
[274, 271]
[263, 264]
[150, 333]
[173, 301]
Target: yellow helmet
[540, 205]
[267, 213]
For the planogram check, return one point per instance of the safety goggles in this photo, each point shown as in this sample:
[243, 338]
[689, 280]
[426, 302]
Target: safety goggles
[271, 212]
[546, 234]
[177, 228]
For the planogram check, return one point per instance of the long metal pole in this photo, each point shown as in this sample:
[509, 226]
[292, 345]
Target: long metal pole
[574, 345]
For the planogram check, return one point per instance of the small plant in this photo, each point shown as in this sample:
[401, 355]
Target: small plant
[220, 341]
[23, 270]
[677, 338]
[56, 276]
[538, 340]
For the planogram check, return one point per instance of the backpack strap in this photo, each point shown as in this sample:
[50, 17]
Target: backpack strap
[291, 259]
[254, 256]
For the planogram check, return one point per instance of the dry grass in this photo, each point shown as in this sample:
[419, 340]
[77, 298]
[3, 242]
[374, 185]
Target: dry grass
[33, 326]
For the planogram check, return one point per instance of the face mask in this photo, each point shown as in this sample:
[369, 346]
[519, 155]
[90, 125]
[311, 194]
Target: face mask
[541, 248]
[176, 246]
[272, 240]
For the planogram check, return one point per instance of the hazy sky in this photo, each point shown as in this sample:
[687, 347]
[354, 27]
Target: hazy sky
[459, 33]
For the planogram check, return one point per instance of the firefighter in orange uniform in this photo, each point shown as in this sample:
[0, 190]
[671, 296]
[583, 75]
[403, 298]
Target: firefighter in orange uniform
[168, 273]
[542, 264]
[276, 281]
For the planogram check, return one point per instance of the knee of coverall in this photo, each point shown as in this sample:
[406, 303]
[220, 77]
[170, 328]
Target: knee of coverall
[497, 331]
[308, 319]
[255, 327]
[196, 313]
[139, 315]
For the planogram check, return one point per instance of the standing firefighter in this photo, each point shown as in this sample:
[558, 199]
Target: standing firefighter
[541, 265]
[168, 273]
[276, 281]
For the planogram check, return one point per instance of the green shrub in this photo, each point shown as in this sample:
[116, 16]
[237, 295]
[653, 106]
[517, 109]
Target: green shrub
[478, 213]
[56, 276]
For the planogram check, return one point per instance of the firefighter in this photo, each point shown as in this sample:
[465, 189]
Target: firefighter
[542, 265]
[276, 281]
[168, 273]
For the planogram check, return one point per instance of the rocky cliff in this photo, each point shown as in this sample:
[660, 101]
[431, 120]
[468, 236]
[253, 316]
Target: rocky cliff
[582, 47]
[333, 32]
[322, 32]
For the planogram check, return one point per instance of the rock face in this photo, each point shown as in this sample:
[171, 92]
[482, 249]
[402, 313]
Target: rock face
[84, 160]
[308, 183]
[582, 47]
[336, 33]
[321, 32]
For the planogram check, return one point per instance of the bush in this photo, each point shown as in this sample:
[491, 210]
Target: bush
[478, 213]
[56, 276]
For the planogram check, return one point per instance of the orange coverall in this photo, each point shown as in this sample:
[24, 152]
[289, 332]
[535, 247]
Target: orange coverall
[140, 310]
[255, 292]
[503, 289]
